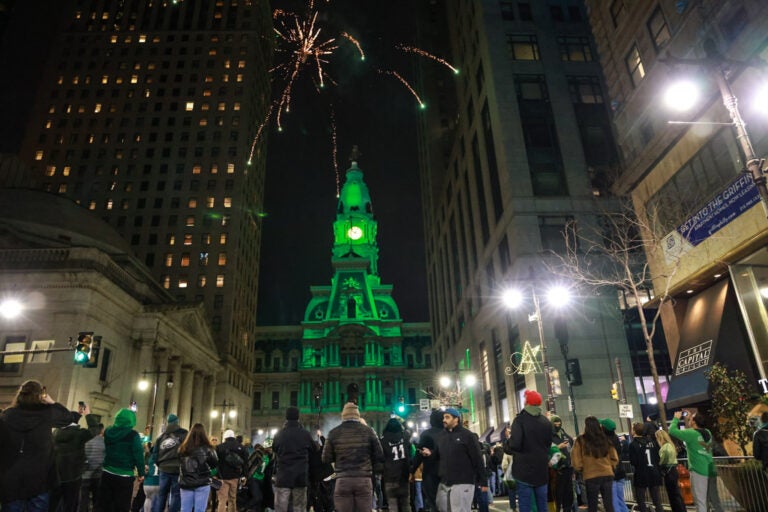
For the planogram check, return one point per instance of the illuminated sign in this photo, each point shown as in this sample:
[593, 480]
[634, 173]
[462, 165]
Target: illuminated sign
[694, 358]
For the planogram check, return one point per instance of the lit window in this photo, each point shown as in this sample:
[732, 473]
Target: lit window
[225, 78]
[206, 92]
[75, 80]
[134, 79]
[203, 121]
[62, 188]
[222, 259]
[214, 169]
[142, 38]
[185, 259]
[190, 106]
[201, 281]
[205, 107]
[225, 220]
[39, 154]
[222, 106]
[169, 259]
[239, 77]
[204, 258]
[192, 203]
[49, 123]
[634, 65]
[182, 282]
[105, 79]
[187, 239]
[166, 282]
[236, 106]
[113, 39]
[206, 239]
[210, 201]
[223, 239]
[190, 221]
[110, 204]
[65, 172]
[50, 170]
[208, 79]
[220, 281]
[197, 169]
[92, 205]
[227, 202]
[230, 168]
[171, 239]
[241, 64]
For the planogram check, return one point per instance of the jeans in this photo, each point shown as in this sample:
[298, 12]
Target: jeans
[65, 497]
[418, 499]
[601, 485]
[455, 498]
[169, 485]
[527, 493]
[655, 497]
[481, 499]
[37, 503]
[150, 493]
[353, 494]
[619, 505]
[195, 499]
[429, 484]
[283, 497]
[512, 495]
[705, 491]
[673, 490]
[398, 496]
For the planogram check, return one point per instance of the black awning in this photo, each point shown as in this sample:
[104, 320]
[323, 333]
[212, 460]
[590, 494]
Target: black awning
[712, 331]
[486, 435]
[497, 432]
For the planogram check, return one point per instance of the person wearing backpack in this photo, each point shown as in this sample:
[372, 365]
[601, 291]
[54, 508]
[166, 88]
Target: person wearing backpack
[232, 460]
[698, 444]
[166, 454]
[397, 463]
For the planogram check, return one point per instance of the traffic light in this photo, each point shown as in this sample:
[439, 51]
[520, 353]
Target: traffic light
[401, 406]
[83, 348]
[615, 391]
[573, 372]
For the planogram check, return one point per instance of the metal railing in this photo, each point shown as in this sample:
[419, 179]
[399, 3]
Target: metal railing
[741, 484]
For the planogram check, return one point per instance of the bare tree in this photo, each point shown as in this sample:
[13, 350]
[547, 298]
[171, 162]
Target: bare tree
[613, 252]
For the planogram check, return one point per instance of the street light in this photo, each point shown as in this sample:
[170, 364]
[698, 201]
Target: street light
[557, 296]
[144, 385]
[227, 409]
[11, 308]
[715, 62]
[454, 398]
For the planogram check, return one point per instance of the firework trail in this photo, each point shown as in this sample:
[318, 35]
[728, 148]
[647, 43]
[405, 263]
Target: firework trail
[403, 81]
[419, 51]
[335, 150]
[356, 43]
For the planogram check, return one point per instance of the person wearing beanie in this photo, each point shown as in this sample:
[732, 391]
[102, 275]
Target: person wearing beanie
[291, 447]
[564, 481]
[460, 464]
[165, 452]
[619, 474]
[529, 442]
[355, 451]
[396, 445]
[232, 464]
[430, 478]
[595, 457]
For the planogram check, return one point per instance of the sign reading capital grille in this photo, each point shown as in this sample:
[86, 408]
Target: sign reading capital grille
[694, 358]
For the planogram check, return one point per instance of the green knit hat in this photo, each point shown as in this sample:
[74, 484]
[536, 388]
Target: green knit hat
[608, 424]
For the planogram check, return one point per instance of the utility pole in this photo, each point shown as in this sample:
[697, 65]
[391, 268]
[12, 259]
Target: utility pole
[622, 391]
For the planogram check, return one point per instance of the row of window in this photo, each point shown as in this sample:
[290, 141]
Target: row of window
[139, 122]
[174, 106]
[184, 281]
[293, 400]
[133, 154]
[88, 41]
[203, 259]
[571, 48]
[563, 10]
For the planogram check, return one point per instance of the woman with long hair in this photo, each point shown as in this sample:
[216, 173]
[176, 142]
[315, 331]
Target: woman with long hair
[595, 457]
[27, 458]
[198, 457]
[668, 467]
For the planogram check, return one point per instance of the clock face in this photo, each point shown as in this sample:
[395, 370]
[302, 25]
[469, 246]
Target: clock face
[355, 233]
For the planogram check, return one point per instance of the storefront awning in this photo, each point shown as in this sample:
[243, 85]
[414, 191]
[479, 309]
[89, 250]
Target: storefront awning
[486, 435]
[712, 331]
[497, 432]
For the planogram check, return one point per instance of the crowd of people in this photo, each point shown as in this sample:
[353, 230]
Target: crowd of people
[49, 462]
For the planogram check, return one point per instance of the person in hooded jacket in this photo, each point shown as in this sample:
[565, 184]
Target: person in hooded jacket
[27, 468]
[197, 459]
[166, 452]
[69, 445]
[123, 456]
[233, 459]
[397, 462]
[564, 482]
[430, 478]
[644, 457]
[529, 441]
[291, 447]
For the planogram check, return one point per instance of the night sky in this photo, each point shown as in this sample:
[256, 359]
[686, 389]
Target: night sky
[372, 111]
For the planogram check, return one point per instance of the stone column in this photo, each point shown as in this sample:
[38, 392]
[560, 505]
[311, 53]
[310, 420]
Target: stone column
[209, 394]
[186, 388]
[172, 394]
[197, 407]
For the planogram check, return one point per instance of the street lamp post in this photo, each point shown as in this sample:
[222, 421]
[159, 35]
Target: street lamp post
[227, 409]
[454, 398]
[144, 385]
[715, 61]
[512, 298]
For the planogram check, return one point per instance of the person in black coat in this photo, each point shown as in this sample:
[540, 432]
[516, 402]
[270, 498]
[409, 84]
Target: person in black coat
[232, 463]
[529, 441]
[27, 462]
[429, 471]
[291, 447]
[396, 445]
[644, 457]
[564, 483]
[69, 445]
[197, 458]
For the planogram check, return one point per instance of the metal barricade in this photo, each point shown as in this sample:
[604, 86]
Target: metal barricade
[741, 484]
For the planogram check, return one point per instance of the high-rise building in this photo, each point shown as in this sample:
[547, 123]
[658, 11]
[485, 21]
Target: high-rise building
[352, 334]
[146, 114]
[514, 148]
[689, 179]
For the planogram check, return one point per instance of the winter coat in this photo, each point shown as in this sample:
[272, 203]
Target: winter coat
[560, 436]
[354, 449]
[166, 448]
[229, 452]
[644, 457]
[27, 465]
[318, 470]
[428, 439]
[122, 446]
[459, 458]
[69, 443]
[528, 443]
[195, 468]
[397, 453]
[94, 457]
[291, 447]
[592, 467]
[760, 446]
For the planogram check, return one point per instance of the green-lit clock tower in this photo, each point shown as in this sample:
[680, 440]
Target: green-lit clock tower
[352, 333]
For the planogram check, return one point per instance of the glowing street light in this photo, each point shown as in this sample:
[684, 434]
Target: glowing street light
[11, 308]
